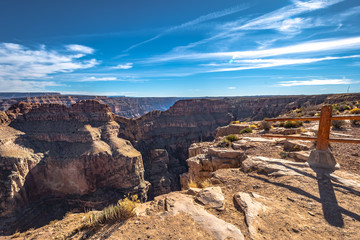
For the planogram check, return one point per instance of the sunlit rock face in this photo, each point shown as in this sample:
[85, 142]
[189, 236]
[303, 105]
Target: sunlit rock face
[54, 150]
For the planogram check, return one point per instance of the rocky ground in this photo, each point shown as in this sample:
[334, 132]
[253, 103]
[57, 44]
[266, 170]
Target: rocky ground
[257, 188]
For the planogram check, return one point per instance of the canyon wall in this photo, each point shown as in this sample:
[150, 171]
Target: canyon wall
[54, 150]
[128, 107]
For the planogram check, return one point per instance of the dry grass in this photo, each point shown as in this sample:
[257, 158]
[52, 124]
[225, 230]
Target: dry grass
[123, 210]
[204, 183]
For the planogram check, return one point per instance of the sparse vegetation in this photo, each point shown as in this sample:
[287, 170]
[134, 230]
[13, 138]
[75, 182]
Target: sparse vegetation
[235, 122]
[246, 130]
[204, 183]
[284, 154]
[293, 124]
[123, 210]
[338, 124]
[224, 143]
[253, 126]
[355, 111]
[232, 138]
[265, 125]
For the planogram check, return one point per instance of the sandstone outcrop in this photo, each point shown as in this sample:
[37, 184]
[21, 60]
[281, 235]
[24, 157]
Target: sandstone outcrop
[54, 150]
[202, 165]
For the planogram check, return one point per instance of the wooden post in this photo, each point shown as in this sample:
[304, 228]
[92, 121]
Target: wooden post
[324, 128]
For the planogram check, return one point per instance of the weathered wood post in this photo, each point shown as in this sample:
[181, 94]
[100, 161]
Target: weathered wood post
[324, 128]
[321, 157]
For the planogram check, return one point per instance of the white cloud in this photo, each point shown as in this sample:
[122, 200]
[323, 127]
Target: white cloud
[108, 79]
[18, 62]
[315, 82]
[25, 86]
[231, 88]
[307, 47]
[204, 18]
[80, 49]
[266, 63]
[281, 19]
[124, 66]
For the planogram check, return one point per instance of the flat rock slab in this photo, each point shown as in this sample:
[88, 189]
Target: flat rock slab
[252, 209]
[301, 156]
[259, 139]
[217, 227]
[211, 197]
[274, 166]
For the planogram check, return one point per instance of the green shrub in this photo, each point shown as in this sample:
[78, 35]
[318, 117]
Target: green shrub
[246, 130]
[265, 125]
[338, 124]
[231, 138]
[293, 124]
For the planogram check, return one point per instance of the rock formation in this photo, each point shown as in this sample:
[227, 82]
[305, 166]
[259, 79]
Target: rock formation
[54, 150]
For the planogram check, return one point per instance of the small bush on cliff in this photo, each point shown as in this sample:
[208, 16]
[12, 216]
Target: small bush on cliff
[293, 124]
[246, 130]
[123, 210]
[338, 124]
[355, 111]
[265, 125]
[231, 138]
[235, 122]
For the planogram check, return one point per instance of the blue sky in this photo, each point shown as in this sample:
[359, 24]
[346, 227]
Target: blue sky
[180, 48]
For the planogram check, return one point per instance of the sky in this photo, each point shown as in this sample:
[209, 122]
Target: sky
[163, 48]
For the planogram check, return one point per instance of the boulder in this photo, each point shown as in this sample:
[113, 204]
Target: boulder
[211, 197]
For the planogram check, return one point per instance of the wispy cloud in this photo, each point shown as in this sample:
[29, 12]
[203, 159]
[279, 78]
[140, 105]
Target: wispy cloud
[25, 86]
[204, 18]
[267, 63]
[231, 88]
[18, 62]
[123, 66]
[109, 79]
[80, 48]
[282, 20]
[315, 82]
[307, 47]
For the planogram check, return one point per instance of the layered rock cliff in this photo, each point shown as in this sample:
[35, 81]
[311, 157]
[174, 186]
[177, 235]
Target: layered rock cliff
[123, 106]
[54, 150]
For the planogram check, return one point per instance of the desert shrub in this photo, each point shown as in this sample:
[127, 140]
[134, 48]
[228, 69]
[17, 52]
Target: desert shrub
[231, 138]
[199, 183]
[265, 125]
[293, 124]
[224, 143]
[235, 122]
[123, 210]
[253, 126]
[246, 130]
[355, 111]
[284, 154]
[281, 124]
[338, 124]
[355, 123]
[343, 108]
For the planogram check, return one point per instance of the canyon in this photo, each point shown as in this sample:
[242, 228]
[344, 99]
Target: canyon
[83, 152]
